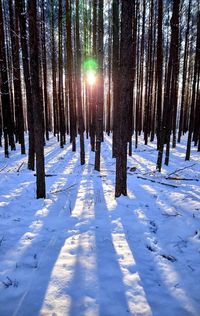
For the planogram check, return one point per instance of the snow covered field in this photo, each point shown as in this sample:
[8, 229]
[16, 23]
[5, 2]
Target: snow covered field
[83, 252]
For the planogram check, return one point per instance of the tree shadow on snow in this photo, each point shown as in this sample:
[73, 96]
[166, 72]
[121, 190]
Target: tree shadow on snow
[150, 268]
[54, 220]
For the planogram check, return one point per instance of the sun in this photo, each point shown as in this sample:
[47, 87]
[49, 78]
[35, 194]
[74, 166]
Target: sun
[90, 68]
[91, 77]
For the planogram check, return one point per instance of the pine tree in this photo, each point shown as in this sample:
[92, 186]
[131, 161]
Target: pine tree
[81, 127]
[38, 113]
[100, 98]
[126, 86]
[115, 73]
[20, 5]
[4, 89]
[170, 97]
[70, 77]
[194, 89]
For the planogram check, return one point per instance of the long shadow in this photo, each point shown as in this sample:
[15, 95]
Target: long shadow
[56, 155]
[13, 198]
[82, 288]
[112, 291]
[151, 277]
[151, 273]
[15, 157]
[14, 161]
[51, 236]
[100, 285]
[113, 287]
[152, 156]
[77, 286]
[132, 161]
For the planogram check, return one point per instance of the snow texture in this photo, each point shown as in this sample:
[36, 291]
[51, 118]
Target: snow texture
[83, 252]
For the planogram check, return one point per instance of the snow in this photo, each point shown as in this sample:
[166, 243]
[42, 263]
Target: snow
[83, 252]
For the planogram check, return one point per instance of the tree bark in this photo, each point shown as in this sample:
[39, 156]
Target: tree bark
[100, 98]
[126, 84]
[38, 112]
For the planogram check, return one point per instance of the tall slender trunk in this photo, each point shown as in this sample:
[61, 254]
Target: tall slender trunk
[4, 89]
[100, 97]
[81, 127]
[159, 72]
[19, 115]
[54, 70]
[115, 73]
[38, 113]
[60, 83]
[185, 63]
[70, 78]
[26, 72]
[194, 90]
[44, 67]
[170, 98]
[126, 84]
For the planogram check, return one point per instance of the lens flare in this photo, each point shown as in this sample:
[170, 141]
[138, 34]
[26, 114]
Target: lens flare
[91, 78]
[90, 64]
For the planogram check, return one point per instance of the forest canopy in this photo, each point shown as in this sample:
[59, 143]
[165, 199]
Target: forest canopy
[88, 67]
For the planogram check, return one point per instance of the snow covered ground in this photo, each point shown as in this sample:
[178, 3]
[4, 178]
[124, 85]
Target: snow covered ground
[83, 252]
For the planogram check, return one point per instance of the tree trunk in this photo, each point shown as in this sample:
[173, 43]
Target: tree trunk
[4, 89]
[70, 78]
[115, 73]
[79, 89]
[36, 98]
[126, 84]
[194, 90]
[26, 71]
[100, 99]
[19, 116]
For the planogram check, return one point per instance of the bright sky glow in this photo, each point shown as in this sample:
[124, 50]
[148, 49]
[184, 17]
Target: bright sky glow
[90, 67]
[91, 77]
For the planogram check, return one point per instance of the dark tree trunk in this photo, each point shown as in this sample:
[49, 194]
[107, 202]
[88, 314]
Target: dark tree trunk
[142, 56]
[26, 71]
[108, 104]
[70, 77]
[44, 67]
[100, 100]
[194, 90]
[131, 113]
[126, 84]
[19, 116]
[36, 97]
[60, 85]
[138, 77]
[159, 72]
[197, 111]
[115, 73]
[4, 89]
[170, 98]
[185, 63]
[54, 71]
[79, 89]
